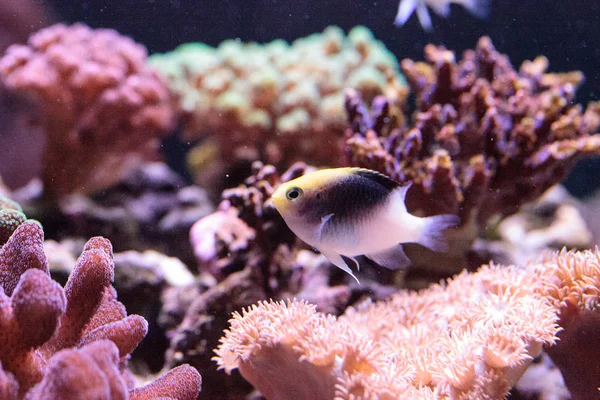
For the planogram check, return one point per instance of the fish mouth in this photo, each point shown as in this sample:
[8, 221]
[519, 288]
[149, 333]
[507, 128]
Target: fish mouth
[278, 199]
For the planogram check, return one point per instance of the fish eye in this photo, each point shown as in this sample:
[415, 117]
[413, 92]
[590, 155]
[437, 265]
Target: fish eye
[294, 193]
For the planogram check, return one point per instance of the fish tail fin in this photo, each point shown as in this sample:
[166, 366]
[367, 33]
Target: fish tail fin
[432, 234]
[479, 8]
[405, 10]
[424, 17]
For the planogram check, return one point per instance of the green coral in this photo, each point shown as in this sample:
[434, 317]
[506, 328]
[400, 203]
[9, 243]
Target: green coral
[11, 216]
[260, 100]
[278, 77]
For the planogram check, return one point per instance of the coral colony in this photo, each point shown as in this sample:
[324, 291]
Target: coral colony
[225, 301]
[275, 102]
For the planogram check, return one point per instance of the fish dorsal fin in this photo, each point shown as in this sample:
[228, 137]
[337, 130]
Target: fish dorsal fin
[402, 190]
[377, 177]
[392, 258]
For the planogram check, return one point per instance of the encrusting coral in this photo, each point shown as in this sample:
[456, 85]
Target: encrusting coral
[472, 337]
[278, 102]
[103, 108]
[70, 343]
[484, 139]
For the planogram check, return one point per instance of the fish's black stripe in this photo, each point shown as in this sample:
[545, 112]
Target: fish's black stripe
[378, 178]
[352, 198]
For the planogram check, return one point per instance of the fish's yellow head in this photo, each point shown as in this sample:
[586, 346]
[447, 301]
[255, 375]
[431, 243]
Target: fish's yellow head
[290, 196]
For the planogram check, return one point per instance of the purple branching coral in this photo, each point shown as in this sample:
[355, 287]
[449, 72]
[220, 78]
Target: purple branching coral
[70, 343]
[484, 138]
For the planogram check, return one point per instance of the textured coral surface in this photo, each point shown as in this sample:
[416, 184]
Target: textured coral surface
[278, 102]
[484, 139]
[103, 108]
[70, 343]
[471, 338]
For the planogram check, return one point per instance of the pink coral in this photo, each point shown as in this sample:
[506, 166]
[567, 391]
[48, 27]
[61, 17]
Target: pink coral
[102, 106]
[470, 338]
[183, 381]
[70, 343]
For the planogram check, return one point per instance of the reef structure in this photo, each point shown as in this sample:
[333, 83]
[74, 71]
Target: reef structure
[71, 342]
[103, 108]
[484, 138]
[279, 102]
[471, 337]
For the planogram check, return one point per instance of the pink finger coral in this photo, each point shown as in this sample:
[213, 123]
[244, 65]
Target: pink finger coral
[102, 107]
[70, 343]
[470, 338]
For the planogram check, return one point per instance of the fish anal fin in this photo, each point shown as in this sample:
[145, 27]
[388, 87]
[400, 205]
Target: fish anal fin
[392, 258]
[339, 262]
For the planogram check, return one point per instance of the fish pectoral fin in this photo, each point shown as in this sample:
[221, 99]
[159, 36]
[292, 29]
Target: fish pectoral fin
[392, 258]
[339, 262]
[319, 231]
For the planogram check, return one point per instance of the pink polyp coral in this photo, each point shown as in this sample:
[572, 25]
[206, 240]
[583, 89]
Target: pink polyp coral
[72, 343]
[24, 250]
[103, 108]
[469, 338]
[11, 217]
[96, 364]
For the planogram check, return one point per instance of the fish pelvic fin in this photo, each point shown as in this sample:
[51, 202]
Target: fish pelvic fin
[392, 258]
[339, 262]
[432, 233]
